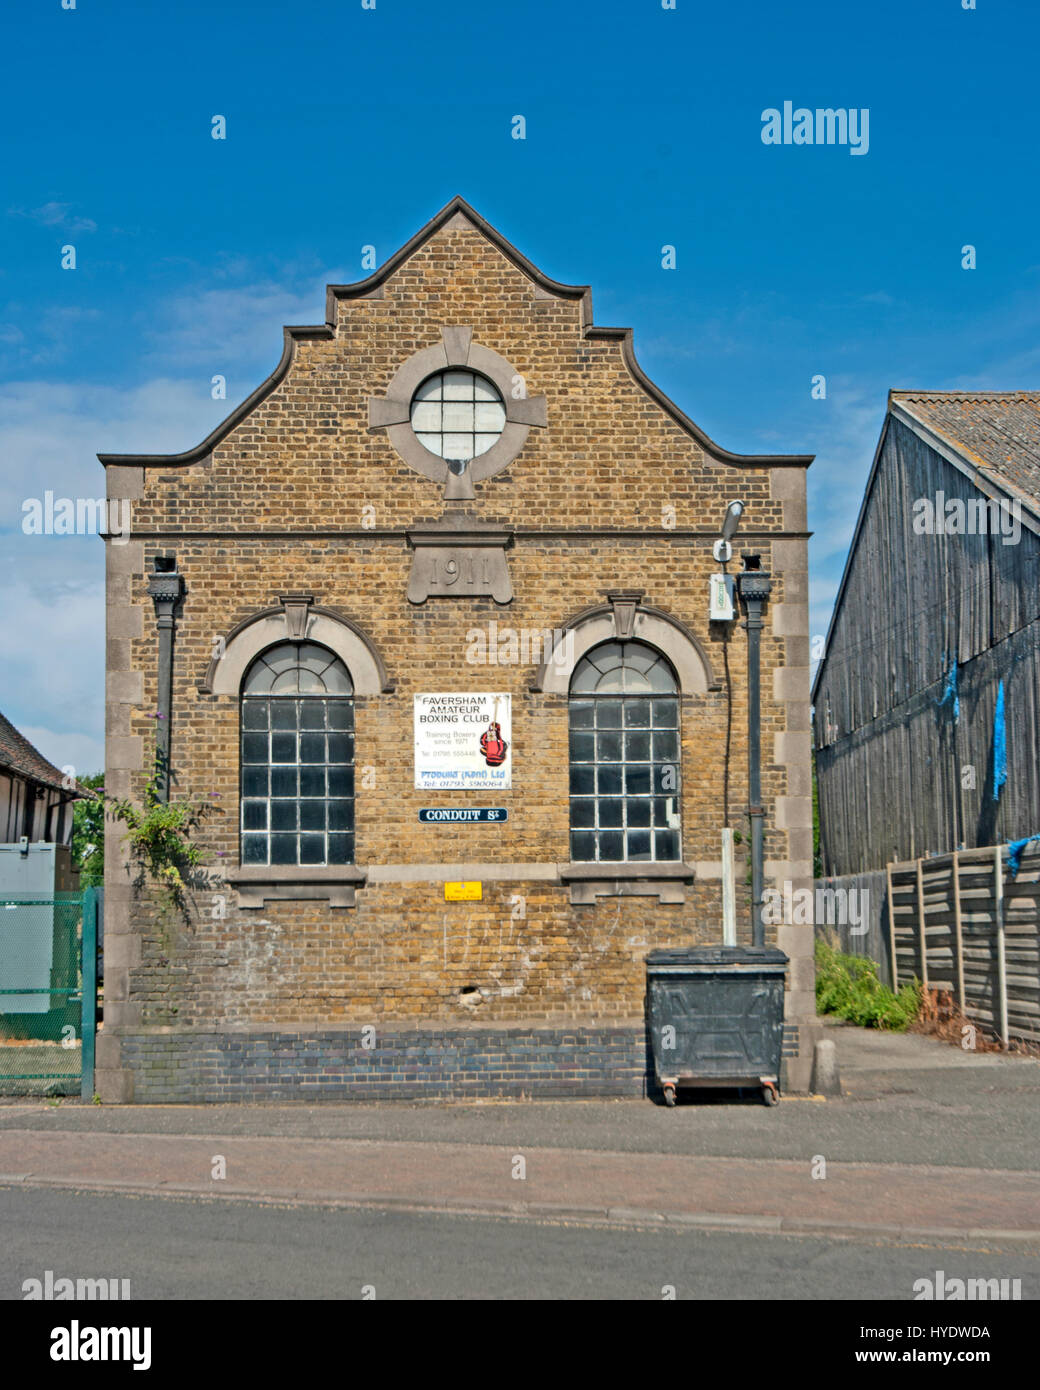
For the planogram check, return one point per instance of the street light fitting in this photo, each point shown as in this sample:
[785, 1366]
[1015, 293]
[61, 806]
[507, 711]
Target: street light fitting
[722, 550]
[734, 512]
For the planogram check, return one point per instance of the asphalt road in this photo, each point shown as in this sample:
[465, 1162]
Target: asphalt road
[183, 1249]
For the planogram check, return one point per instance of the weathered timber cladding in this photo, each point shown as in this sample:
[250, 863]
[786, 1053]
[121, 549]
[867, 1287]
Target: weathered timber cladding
[898, 776]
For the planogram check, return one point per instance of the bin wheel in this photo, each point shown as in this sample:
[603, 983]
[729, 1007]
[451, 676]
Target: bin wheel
[770, 1094]
[669, 1096]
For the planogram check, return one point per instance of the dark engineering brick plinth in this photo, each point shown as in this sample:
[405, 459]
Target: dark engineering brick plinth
[195, 1067]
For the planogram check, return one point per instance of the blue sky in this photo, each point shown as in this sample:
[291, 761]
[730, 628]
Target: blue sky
[349, 126]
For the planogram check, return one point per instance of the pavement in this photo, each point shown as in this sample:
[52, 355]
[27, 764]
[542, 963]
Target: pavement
[929, 1145]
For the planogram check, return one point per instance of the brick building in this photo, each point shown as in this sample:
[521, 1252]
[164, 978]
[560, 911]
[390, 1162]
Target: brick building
[457, 486]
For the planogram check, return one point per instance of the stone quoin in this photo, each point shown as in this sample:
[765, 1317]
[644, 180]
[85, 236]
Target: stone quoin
[457, 449]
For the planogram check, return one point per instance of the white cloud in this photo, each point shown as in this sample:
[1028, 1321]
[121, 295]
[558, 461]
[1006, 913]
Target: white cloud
[51, 433]
[53, 618]
[52, 622]
[55, 215]
[824, 592]
[229, 330]
[53, 631]
[84, 754]
[53, 333]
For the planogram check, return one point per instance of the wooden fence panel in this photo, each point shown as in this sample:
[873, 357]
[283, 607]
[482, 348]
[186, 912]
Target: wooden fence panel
[962, 923]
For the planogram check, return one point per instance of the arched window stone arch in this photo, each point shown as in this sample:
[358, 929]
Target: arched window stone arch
[297, 758]
[295, 619]
[623, 618]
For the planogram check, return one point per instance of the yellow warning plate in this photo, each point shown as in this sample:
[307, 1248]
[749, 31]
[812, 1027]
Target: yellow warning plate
[463, 892]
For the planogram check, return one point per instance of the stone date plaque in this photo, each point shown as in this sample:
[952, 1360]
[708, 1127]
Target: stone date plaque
[450, 561]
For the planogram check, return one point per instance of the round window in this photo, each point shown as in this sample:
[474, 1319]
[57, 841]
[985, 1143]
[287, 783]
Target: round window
[458, 414]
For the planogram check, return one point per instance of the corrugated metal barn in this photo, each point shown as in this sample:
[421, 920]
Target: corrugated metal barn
[927, 699]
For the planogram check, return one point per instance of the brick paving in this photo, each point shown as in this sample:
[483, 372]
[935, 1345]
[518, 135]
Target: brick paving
[855, 1198]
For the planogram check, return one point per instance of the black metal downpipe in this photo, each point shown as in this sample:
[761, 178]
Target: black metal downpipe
[755, 586]
[166, 587]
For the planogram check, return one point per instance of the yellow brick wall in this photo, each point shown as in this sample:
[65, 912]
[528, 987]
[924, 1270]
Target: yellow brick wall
[300, 469]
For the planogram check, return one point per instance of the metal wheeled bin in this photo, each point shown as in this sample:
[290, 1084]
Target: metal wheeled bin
[716, 1017]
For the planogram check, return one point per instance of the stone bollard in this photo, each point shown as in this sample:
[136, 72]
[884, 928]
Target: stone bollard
[825, 1078]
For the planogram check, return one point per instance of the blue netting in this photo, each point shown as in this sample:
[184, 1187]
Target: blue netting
[999, 744]
[1015, 849]
[950, 692]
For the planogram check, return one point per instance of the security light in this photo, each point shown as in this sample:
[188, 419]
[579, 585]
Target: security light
[722, 550]
[734, 512]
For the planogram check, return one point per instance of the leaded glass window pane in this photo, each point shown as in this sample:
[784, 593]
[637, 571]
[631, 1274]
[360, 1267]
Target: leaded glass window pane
[297, 758]
[457, 414]
[624, 752]
[290, 661]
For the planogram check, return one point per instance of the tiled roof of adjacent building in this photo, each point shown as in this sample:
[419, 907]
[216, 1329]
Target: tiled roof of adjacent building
[997, 431]
[17, 755]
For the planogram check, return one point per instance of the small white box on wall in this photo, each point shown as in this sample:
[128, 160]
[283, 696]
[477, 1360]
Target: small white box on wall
[720, 600]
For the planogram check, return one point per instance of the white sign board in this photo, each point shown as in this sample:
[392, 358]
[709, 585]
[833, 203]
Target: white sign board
[463, 742]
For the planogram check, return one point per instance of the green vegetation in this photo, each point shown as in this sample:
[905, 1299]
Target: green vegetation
[88, 834]
[817, 857]
[849, 987]
[159, 836]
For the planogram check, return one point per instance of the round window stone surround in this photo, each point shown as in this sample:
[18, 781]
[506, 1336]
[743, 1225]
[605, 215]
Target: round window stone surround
[456, 349]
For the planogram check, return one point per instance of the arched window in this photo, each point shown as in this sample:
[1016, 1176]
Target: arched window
[624, 755]
[297, 757]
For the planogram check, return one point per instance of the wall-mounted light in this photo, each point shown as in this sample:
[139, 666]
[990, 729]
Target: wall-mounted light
[722, 550]
[720, 593]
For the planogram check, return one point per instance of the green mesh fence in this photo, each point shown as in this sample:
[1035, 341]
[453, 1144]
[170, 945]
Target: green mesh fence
[40, 999]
